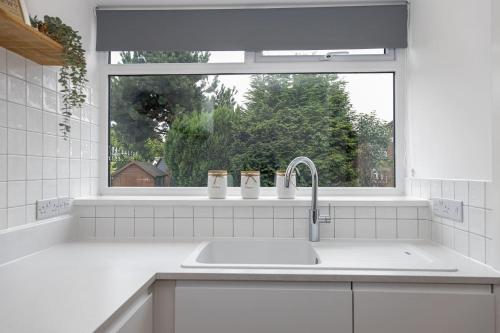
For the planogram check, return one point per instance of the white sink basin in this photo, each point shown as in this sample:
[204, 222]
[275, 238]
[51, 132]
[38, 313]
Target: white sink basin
[253, 254]
[325, 255]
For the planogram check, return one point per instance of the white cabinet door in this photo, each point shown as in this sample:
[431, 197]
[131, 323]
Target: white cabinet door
[135, 317]
[264, 307]
[414, 308]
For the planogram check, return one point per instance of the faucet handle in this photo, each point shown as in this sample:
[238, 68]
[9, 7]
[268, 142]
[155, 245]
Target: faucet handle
[324, 219]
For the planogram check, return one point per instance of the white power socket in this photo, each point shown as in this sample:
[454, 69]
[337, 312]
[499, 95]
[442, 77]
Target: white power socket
[450, 209]
[52, 207]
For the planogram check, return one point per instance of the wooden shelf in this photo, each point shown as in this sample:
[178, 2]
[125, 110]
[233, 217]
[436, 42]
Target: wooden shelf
[28, 42]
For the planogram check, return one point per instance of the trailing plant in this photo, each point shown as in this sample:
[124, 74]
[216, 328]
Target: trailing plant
[73, 74]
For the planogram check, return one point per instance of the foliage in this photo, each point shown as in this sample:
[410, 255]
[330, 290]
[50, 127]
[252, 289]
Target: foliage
[73, 73]
[375, 144]
[195, 123]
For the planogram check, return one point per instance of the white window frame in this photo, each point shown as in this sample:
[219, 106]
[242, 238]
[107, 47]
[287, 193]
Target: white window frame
[253, 64]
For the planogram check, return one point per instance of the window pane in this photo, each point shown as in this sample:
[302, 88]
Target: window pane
[323, 52]
[149, 57]
[169, 130]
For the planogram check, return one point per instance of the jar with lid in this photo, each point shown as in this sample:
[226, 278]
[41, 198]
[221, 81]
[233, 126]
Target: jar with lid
[250, 184]
[282, 191]
[217, 184]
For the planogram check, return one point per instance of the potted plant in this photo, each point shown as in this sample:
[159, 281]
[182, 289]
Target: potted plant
[73, 74]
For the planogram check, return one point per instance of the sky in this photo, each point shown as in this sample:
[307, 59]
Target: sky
[368, 91]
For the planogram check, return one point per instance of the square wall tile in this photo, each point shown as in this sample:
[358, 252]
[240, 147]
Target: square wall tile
[164, 211]
[105, 227]
[301, 228]
[263, 228]
[436, 189]
[477, 220]
[263, 212]
[3, 108]
[203, 227]
[283, 212]
[34, 144]
[3, 140]
[16, 65]
[365, 228]
[344, 212]
[477, 247]
[3, 195]
[3, 219]
[477, 192]
[34, 72]
[105, 211]
[144, 227]
[49, 168]
[203, 212]
[183, 211]
[50, 78]
[223, 227]
[183, 227]
[16, 116]
[3, 168]
[16, 90]
[34, 191]
[86, 227]
[226, 212]
[16, 216]
[243, 212]
[164, 227]
[49, 189]
[424, 229]
[34, 96]
[124, 227]
[16, 142]
[49, 101]
[365, 212]
[85, 211]
[407, 229]
[63, 188]
[49, 145]
[344, 228]
[17, 167]
[448, 236]
[283, 228]
[448, 189]
[144, 212]
[437, 232]
[386, 228]
[462, 191]
[407, 213]
[462, 242]
[124, 211]
[243, 227]
[464, 224]
[34, 120]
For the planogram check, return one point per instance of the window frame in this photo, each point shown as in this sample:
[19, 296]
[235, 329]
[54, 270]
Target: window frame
[255, 63]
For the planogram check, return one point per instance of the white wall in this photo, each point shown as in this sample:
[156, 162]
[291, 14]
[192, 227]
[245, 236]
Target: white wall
[449, 89]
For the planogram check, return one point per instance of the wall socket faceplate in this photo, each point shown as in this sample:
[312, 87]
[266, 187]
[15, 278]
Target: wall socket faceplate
[52, 207]
[450, 209]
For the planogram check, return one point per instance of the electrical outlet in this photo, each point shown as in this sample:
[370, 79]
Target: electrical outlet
[52, 207]
[450, 209]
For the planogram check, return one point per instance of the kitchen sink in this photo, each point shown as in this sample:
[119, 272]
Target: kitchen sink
[254, 254]
[380, 255]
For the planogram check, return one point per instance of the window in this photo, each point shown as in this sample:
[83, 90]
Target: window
[168, 128]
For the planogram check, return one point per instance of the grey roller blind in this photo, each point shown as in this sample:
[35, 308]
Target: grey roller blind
[314, 28]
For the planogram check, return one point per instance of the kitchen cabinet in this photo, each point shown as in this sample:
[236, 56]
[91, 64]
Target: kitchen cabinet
[249, 307]
[417, 308]
[135, 317]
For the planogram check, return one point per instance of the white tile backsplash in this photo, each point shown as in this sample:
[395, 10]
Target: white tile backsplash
[471, 235]
[32, 150]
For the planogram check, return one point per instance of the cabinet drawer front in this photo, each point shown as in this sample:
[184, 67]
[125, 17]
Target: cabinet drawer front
[423, 308]
[249, 307]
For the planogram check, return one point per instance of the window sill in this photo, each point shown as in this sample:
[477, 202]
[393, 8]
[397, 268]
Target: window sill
[126, 200]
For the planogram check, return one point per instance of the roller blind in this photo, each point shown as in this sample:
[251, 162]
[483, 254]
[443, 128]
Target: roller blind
[314, 28]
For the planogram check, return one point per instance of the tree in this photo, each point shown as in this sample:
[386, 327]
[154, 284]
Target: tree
[375, 159]
[143, 107]
[289, 115]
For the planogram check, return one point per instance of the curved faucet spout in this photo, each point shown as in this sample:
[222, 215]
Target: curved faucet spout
[314, 217]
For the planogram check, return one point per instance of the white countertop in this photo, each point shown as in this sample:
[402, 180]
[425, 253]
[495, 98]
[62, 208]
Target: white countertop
[127, 200]
[76, 287]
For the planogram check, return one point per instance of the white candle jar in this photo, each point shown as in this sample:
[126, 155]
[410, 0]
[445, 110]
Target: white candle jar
[282, 191]
[217, 184]
[250, 184]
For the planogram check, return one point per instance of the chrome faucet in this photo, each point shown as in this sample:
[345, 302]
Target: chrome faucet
[314, 215]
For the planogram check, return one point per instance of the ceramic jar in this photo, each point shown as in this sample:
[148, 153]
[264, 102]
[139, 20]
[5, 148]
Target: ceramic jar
[250, 184]
[217, 184]
[282, 191]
